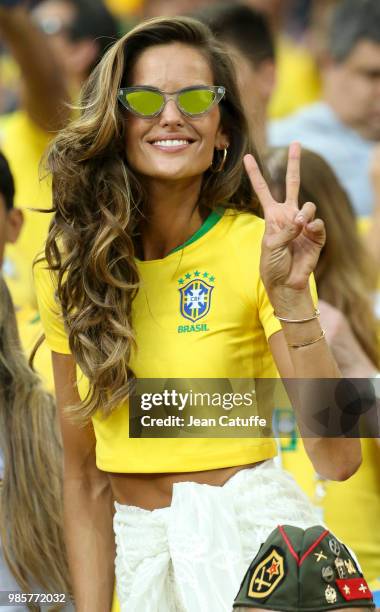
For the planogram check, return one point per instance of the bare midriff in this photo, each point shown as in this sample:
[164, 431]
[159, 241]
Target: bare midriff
[152, 491]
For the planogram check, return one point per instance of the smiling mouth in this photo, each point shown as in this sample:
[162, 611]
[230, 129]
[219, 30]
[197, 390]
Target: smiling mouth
[171, 143]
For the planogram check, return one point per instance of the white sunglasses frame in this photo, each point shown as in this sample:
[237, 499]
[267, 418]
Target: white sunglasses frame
[218, 90]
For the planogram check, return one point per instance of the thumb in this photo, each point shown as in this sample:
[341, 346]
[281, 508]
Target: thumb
[285, 236]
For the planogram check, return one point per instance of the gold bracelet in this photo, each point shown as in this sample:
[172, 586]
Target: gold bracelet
[308, 343]
[315, 316]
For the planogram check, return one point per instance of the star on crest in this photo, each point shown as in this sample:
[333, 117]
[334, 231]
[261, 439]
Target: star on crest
[273, 569]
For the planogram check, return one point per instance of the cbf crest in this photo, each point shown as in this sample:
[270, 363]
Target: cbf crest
[195, 295]
[267, 575]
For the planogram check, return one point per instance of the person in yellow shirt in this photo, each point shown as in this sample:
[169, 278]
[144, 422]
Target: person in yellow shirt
[11, 218]
[247, 34]
[133, 284]
[297, 74]
[56, 46]
[123, 8]
[28, 319]
[24, 137]
[298, 79]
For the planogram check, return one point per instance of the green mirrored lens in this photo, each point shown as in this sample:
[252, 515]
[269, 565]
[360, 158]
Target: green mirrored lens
[196, 101]
[145, 102]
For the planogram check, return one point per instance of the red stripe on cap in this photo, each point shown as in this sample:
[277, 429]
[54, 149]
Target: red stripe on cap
[309, 550]
[288, 543]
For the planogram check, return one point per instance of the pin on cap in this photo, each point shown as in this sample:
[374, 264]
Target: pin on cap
[334, 547]
[330, 594]
[328, 573]
[340, 567]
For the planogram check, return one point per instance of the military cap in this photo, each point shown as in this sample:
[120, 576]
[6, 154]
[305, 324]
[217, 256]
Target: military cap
[299, 570]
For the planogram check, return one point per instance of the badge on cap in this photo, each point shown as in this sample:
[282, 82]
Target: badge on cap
[319, 555]
[334, 547]
[267, 575]
[350, 567]
[328, 573]
[330, 594]
[340, 567]
[353, 588]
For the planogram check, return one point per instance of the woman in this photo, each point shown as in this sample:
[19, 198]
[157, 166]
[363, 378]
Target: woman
[31, 535]
[141, 181]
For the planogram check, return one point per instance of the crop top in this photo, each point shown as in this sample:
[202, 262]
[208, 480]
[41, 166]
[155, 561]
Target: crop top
[181, 334]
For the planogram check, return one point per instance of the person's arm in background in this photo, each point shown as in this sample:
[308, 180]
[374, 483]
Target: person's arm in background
[44, 89]
[88, 506]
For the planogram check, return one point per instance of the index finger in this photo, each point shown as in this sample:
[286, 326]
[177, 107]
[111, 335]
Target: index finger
[259, 183]
[293, 173]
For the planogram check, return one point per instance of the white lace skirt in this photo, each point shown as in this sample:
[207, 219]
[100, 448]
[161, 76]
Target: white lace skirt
[192, 556]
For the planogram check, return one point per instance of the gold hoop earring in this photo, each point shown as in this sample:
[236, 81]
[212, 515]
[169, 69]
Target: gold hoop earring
[221, 165]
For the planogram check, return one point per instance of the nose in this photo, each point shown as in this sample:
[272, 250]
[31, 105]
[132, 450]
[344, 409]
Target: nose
[171, 115]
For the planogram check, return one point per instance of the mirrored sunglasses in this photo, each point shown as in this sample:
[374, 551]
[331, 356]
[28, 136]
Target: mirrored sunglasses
[149, 102]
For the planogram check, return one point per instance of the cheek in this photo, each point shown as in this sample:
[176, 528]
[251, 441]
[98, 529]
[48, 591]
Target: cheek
[133, 134]
[360, 97]
[210, 131]
[357, 89]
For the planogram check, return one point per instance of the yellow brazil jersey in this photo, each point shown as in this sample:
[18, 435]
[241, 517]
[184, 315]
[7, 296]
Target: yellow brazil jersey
[23, 143]
[29, 326]
[225, 336]
[351, 509]
[124, 7]
[297, 82]
[364, 225]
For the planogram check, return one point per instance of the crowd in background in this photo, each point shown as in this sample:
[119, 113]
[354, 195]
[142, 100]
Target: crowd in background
[308, 70]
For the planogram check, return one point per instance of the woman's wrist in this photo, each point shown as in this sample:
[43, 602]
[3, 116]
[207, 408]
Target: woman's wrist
[289, 303]
[298, 316]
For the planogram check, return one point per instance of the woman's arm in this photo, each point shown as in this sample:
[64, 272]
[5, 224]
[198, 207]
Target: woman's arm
[87, 502]
[290, 250]
[332, 458]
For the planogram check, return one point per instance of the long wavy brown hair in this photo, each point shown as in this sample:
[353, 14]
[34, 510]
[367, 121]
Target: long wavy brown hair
[31, 517]
[99, 202]
[345, 274]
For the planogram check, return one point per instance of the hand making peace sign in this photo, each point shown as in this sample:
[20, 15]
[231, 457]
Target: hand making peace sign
[293, 239]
